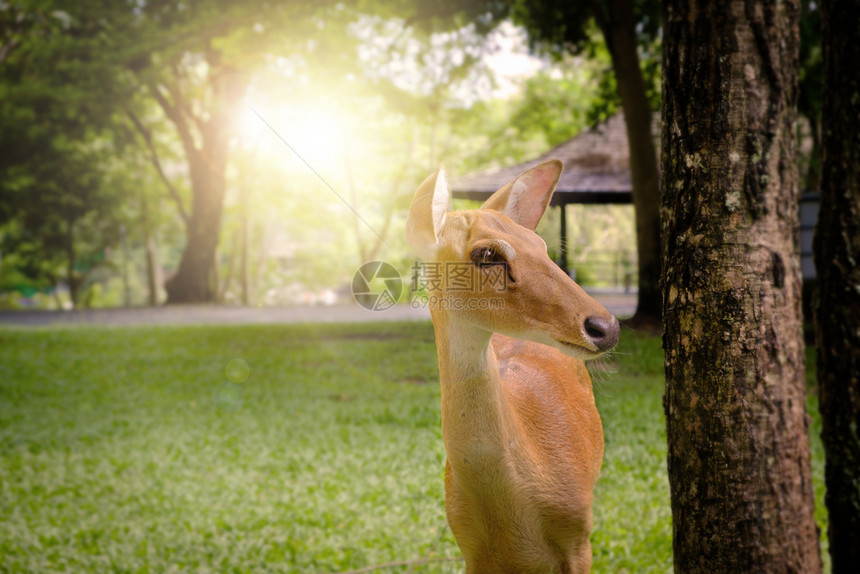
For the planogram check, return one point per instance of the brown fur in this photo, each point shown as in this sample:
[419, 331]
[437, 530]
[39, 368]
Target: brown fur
[521, 429]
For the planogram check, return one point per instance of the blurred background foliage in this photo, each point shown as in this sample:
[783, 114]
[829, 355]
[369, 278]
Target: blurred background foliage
[318, 120]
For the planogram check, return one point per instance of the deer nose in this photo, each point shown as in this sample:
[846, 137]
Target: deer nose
[601, 332]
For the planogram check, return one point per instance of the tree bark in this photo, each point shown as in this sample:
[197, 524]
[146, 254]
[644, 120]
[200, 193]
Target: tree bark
[620, 35]
[837, 306]
[192, 282]
[737, 429]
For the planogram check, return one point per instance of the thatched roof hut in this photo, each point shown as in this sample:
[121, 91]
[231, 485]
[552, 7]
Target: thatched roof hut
[596, 169]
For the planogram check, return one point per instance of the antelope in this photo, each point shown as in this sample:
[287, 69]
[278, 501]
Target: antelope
[522, 434]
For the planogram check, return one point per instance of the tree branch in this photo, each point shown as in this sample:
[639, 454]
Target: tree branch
[153, 157]
[179, 102]
[174, 113]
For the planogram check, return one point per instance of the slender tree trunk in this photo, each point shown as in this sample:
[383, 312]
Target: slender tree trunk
[215, 279]
[71, 260]
[260, 242]
[149, 251]
[151, 270]
[56, 295]
[621, 39]
[737, 429]
[126, 287]
[837, 308]
[231, 266]
[244, 271]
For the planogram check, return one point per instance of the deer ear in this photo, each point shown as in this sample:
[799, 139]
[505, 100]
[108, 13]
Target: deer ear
[525, 199]
[427, 214]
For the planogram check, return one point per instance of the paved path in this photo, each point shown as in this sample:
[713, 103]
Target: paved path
[619, 304]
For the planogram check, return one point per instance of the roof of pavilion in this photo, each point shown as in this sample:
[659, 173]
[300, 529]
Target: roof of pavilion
[596, 168]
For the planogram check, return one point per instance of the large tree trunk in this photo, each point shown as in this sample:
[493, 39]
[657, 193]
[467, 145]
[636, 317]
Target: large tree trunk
[620, 36]
[192, 282]
[739, 467]
[837, 308]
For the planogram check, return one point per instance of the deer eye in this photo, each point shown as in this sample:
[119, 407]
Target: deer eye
[486, 257]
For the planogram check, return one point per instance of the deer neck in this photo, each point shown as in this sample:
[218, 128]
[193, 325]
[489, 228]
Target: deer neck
[464, 351]
[476, 417]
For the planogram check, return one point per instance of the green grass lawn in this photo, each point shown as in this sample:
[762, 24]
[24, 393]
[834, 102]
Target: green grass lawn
[144, 450]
